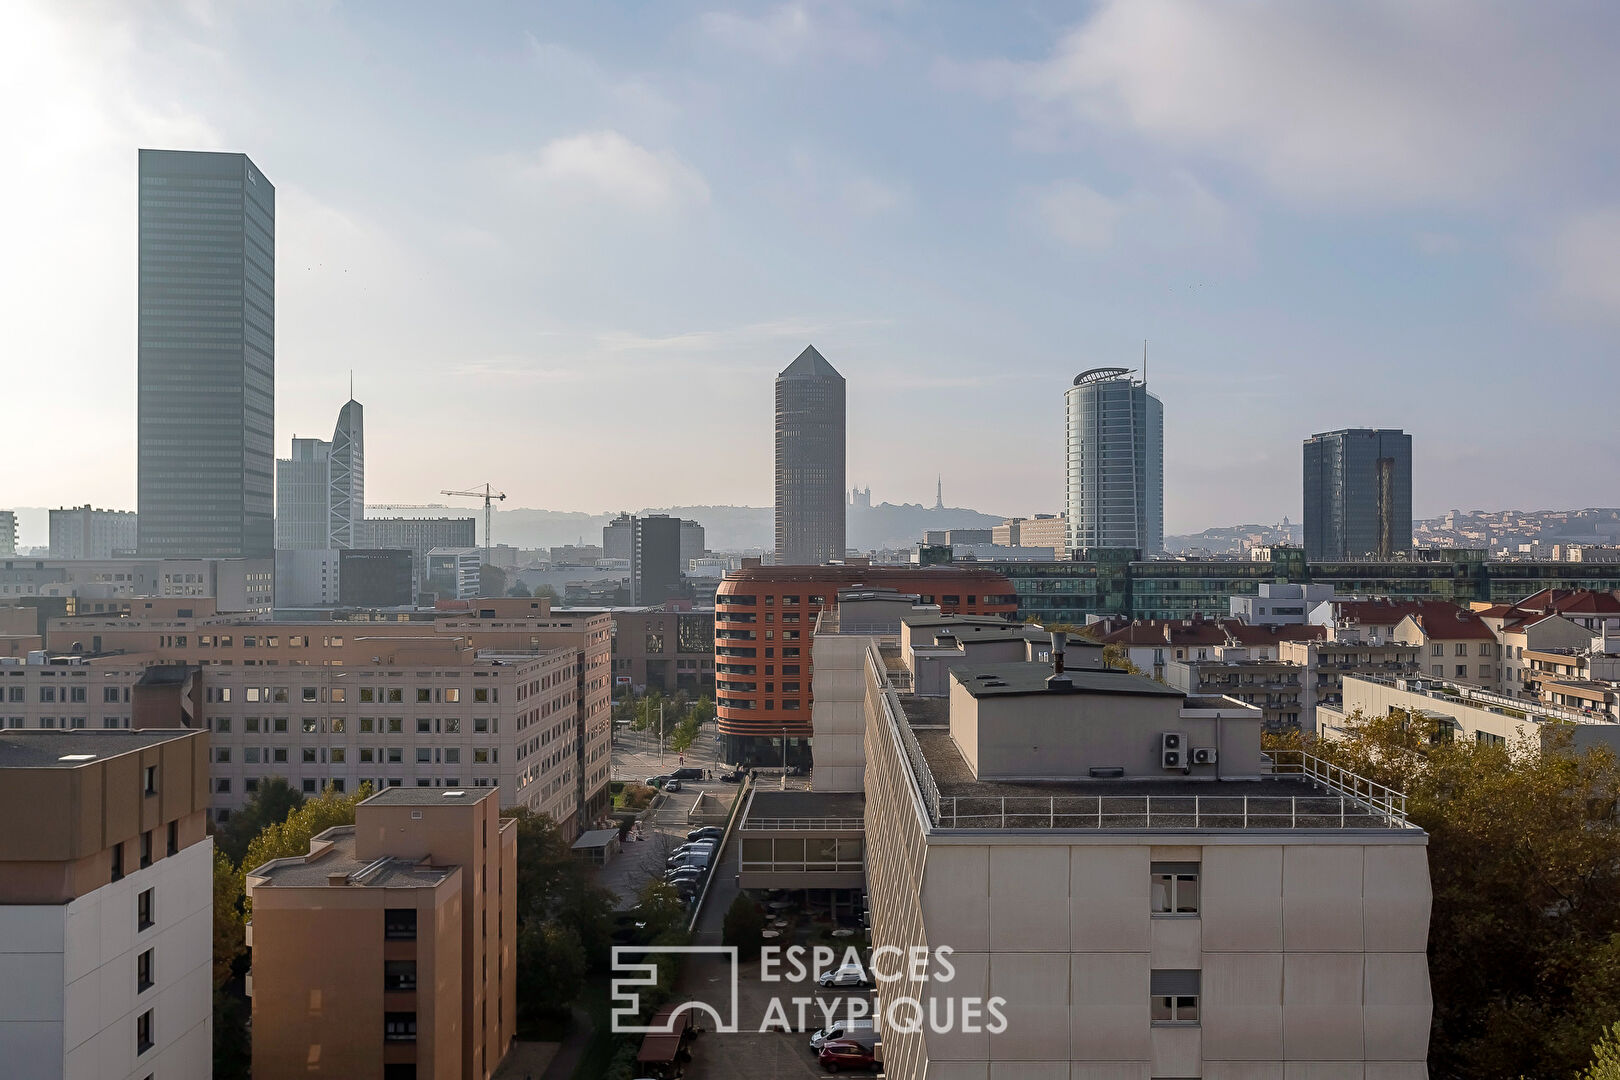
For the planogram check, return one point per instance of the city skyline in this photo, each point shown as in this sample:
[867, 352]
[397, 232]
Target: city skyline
[1279, 272]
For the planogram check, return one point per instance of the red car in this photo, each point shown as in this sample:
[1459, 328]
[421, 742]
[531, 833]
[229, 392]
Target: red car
[839, 1054]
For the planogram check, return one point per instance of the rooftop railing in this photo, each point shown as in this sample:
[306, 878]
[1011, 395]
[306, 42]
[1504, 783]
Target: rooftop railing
[1459, 694]
[788, 824]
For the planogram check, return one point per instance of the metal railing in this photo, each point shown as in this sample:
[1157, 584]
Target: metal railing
[1139, 812]
[1462, 694]
[1377, 798]
[788, 824]
[919, 764]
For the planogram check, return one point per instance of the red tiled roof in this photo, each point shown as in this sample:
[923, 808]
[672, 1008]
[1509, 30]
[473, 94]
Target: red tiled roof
[1447, 622]
[1577, 601]
[1209, 632]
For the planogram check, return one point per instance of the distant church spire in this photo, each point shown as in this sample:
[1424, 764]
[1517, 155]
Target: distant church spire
[939, 493]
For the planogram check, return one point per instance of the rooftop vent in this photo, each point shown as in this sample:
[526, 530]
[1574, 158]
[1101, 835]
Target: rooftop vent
[76, 757]
[454, 795]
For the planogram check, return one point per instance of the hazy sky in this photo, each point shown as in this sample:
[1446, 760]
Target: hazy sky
[564, 247]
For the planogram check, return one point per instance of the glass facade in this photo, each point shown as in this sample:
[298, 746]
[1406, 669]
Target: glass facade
[809, 462]
[206, 355]
[1115, 463]
[1358, 494]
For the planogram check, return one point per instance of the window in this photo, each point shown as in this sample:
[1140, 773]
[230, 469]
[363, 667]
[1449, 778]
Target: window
[279, 755]
[150, 782]
[109, 694]
[367, 725]
[424, 756]
[222, 724]
[367, 755]
[337, 725]
[367, 694]
[146, 849]
[143, 971]
[1175, 888]
[423, 695]
[1175, 996]
[452, 695]
[222, 785]
[481, 695]
[143, 909]
[423, 726]
[399, 924]
[310, 694]
[399, 1027]
[1437, 649]
[480, 724]
[337, 693]
[452, 726]
[452, 756]
[1438, 671]
[280, 725]
[396, 694]
[1462, 671]
[174, 838]
[396, 725]
[309, 755]
[47, 693]
[250, 755]
[118, 862]
[143, 1032]
[337, 754]
[399, 976]
[309, 786]
[396, 755]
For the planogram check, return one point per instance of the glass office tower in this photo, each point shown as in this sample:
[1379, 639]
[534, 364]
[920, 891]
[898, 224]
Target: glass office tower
[1358, 494]
[809, 462]
[206, 387]
[1115, 463]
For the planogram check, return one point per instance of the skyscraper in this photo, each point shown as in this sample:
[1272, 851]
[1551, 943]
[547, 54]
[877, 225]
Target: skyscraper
[320, 490]
[206, 393]
[809, 462]
[1358, 494]
[1115, 463]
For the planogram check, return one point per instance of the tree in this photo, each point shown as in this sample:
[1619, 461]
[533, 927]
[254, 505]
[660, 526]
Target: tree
[491, 580]
[291, 837]
[229, 933]
[1116, 656]
[744, 927]
[550, 970]
[519, 589]
[660, 908]
[270, 805]
[1524, 861]
[1605, 1057]
[685, 733]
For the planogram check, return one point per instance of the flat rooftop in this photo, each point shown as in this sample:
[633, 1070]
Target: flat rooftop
[36, 749]
[307, 872]
[1022, 677]
[807, 804]
[428, 796]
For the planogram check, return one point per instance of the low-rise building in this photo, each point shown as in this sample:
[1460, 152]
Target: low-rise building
[665, 648]
[1469, 712]
[1324, 663]
[244, 585]
[106, 905]
[1271, 685]
[1278, 604]
[403, 927]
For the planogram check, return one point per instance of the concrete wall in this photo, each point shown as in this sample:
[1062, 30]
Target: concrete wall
[839, 712]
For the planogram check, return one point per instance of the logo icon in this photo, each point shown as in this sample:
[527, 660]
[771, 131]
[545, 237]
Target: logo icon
[636, 964]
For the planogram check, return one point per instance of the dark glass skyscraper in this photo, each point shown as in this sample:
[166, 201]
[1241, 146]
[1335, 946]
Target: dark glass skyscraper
[206, 388]
[809, 462]
[1358, 494]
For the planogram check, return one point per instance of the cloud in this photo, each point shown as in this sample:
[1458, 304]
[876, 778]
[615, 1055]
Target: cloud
[1437, 243]
[1079, 216]
[1583, 262]
[1178, 215]
[606, 167]
[788, 32]
[1375, 102]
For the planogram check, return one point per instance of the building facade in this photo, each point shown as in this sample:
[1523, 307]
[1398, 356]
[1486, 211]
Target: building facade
[809, 462]
[375, 578]
[206, 386]
[419, 536]
[655, 558]
[321, 489]
[81, 532]
[106, 905]
[455, 570]
[1042, 530]
[8, 533]
[1115, 463]
[404, 926]
[244, 585]
[764, 620]
[1358, 494]
[306, 577]
[664, 649]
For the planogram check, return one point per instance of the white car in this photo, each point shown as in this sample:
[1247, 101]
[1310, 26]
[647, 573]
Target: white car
[848, 975]
[858, 1030]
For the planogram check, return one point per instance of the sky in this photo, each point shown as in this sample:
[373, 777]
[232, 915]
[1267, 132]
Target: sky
[565, 247]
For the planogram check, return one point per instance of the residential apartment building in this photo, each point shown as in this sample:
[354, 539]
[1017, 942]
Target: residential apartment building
[206, 384]
[1042, 530]
[403, 926]
[418, 536]
[667, 649]
[809, 462]
[1272, 686]
[82, 532]
[505, 695]
[1115, 463]
[1154, 644]
[1323, 664]
[1454, 643]
[1358, 494]
[106, 905]
[245, 585]
[321, 489]
[8, 533]
[764, 619]
[1147, 892]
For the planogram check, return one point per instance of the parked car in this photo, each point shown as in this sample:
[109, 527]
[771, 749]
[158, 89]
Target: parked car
[657, 781]
[847, 975]
[732, 777]
[708, 832]
[837, 1055]
[692, 848]
[859, 1030]
[672, 785]
[682, 873]
[696, 859]
[688, 773]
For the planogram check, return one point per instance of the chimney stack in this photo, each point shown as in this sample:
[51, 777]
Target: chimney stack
[1059, 641]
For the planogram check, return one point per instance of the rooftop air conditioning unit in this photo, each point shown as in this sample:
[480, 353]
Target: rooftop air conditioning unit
[1203, 755]
[1172, 750]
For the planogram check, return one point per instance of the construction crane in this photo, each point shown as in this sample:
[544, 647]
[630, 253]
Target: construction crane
[488, 495]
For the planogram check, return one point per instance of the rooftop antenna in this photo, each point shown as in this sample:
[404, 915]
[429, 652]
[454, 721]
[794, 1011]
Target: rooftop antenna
[1144, 363]
[351, 384]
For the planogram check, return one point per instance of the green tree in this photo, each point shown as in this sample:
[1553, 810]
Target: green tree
[744, 926]
[270, 805]
[550, 971]
[491, 580]
[519, 589]
[1524, 861]
[1116, 656]
[229, 932]
[1605, 1057]
[685, 733]
[660, 908]
[291, 837]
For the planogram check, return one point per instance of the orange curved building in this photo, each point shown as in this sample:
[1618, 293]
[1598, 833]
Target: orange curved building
[764, 620]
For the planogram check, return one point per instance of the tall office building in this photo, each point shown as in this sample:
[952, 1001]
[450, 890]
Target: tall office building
[207, 372]
[321, 489]
[1115, 463]
[809, 462]
[655, 558]
[1358, 494]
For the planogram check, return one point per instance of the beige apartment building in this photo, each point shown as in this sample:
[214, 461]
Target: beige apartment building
[1147, 893]
[507, 694]
[106, 905]
[1323, 664]
[389, 950]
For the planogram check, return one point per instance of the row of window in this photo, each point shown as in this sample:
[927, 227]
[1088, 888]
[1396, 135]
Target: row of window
[338, 725]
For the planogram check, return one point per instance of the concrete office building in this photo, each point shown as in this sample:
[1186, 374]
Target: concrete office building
[375, 578]
[321, 489]
[1144, 908]
[8, 533]
[1042, 530]
[1358, 494]
[809, 462]
[694, 543]
[456, 570]
[81, 532]
[419, 536]
[1280, 604]
[404, 927]
[655, 558]
[1115, 463]
[243, 585]
[306, 578]
[667, 649]
[506, 693]
[206, 387]
[106, 905]
[618, 540]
